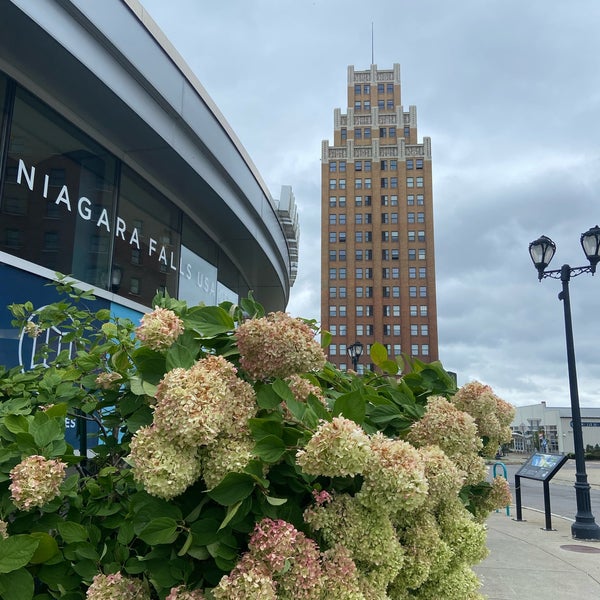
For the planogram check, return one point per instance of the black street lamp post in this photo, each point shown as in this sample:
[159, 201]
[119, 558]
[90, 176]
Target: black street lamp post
[355, 352]
[541, 252]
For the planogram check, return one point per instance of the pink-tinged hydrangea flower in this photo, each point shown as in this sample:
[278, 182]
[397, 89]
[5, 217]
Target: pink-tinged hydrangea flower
[278, 346]
[322, 497]
[492, 415]
[225, 455]
[164, 469]
[107, 380]
[340, 575]
[182, 593]
[499, 496]
[394, 479]
[368, 535]
[444, 425]
[116, 587]
[443, 476]
[293, 559]
[35, 481]
[193, 406]
[337, 449]
[274, 543]
[249, 580]
[159, 329]
[301, 388]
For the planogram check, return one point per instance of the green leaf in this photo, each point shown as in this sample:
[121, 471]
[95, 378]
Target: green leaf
[151, 364]
[72, 532]
[270, 448]
[266, 397]
[209, 321]
[276, 501]
[46, 431]
[319, 409]
[179, 355]
[16, 551]
[46, 549]
[187, 544]
[231, 512]
[326, 338]
[352, 406]
[16, 586]
[205, 531]
[16, 423]
[160, 531]
[282, 389]
[378, 353]
[389, 366]
[263, 427]
[233, 488]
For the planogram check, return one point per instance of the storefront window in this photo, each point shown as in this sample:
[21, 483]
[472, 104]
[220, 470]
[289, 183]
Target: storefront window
[57, 206]
[147, 241]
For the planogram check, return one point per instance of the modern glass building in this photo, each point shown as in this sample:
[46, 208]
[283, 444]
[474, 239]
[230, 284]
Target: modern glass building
[118, 169]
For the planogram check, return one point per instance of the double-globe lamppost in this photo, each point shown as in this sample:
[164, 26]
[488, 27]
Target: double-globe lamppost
[541, 252]
[355, 352]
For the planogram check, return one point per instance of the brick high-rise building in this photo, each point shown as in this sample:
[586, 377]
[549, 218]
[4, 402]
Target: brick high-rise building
[377, 261]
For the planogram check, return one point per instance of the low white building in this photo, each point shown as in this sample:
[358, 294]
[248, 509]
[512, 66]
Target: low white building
[555, 424]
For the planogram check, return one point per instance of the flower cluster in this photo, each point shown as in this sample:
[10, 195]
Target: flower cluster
[159, 329]
[116, 587]
[492, 415]
[225, 455]
[161, 467]
[443, 476]
[499, 496]
[32, 329]
[394, 478]
[368, 535]
[3, 529]
[301, 388]
[182, 593]
[249, 580]
[278, 346]
[338, 448]
[193, 406]
[35, 481]
[455, 432]
[106, 380]
[197, 411]
[340, 575]
[283, 563]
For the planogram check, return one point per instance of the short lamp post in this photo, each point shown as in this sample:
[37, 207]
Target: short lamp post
[355, 352]
[541, 252]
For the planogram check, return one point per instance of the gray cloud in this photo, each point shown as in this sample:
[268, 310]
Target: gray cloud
[509, 93]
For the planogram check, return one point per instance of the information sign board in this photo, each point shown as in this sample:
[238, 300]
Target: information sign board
[542, 466]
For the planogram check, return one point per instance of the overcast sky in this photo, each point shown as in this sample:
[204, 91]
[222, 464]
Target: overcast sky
[508, 91]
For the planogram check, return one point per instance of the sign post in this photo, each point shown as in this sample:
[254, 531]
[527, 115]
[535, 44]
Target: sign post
[541, 467]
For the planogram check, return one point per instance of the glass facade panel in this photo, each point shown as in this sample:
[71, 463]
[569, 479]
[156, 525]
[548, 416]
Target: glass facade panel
[57, 206]
[147, 222]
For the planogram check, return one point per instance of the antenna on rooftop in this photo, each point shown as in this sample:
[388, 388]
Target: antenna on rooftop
[372, 46]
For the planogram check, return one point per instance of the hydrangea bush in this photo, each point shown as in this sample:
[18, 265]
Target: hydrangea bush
[234, 463]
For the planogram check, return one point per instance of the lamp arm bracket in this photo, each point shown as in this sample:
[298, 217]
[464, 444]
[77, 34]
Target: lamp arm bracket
[573, 272]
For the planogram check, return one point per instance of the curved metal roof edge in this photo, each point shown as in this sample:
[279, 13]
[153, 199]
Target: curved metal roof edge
[157, 33]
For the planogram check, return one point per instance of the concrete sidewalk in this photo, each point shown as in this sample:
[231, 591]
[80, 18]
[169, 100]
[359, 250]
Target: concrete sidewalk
[526, 561]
